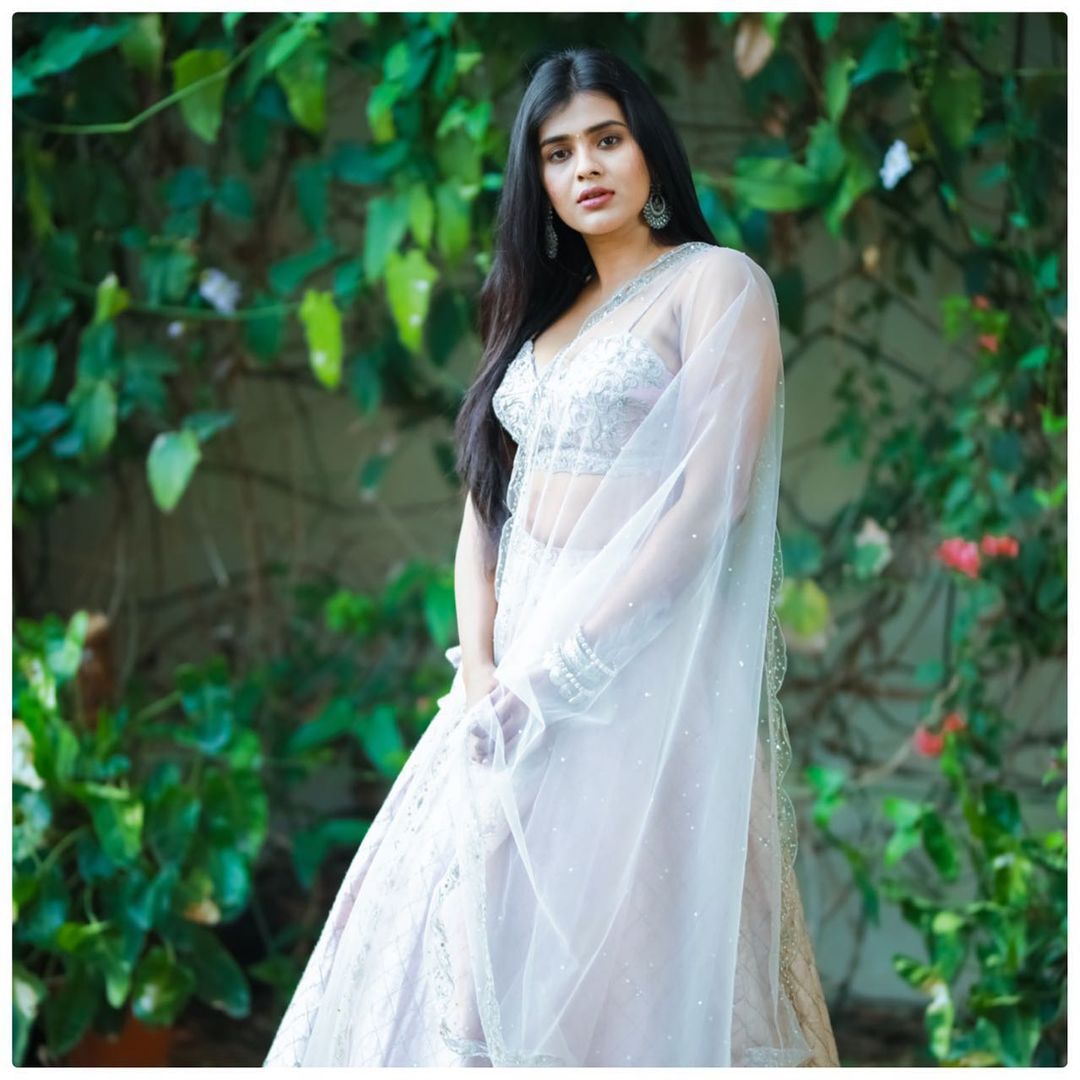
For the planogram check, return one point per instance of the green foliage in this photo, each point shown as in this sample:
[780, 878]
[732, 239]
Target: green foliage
[134, 831]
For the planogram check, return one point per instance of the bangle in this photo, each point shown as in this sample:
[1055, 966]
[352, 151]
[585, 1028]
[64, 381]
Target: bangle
[575, 669]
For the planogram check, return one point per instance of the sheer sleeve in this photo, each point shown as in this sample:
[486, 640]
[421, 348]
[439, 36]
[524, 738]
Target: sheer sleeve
[723, 398]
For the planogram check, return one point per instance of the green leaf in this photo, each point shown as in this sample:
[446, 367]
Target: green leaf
[352, 163]
[452, 229]
[338, 718]
[286, 44]
[63, 48]
[188, 188]
[860, 176]
[170, 465]
[233, 197]
[380, 117]
[202, 108]
[69, 1011]
[409, 281]
[35, 366]
[777, 184]
[322, 328]
[1034, 359]
[365, 386]
[219, 979]
[172, 821]
[379, 736]
[886, 52]
[802, 607]
[838, 86]
[27, 994]
[825, 24]
[939, 845]
[287, 275]
[303, 78]
[387, 223]
[167, 271]
[118, 821]
[206, 425]
[347, 279]
[956, 102]
[825, 155]
[144, 46]
[112, 298]
[161, 988]
[421, 214]
[93, 407]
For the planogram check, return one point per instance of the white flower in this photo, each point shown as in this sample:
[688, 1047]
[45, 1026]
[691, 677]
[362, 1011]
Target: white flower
[219, 291]
[175, 329]
[22, 757]
[896, 165]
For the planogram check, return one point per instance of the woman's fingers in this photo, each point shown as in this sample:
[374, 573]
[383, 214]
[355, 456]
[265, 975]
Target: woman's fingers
[510, 712]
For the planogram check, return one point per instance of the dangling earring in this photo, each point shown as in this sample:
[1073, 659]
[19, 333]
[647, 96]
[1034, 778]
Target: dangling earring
[656, 211]
[551, 239]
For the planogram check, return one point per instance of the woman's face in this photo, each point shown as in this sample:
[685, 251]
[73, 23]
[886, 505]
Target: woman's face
[577, 159]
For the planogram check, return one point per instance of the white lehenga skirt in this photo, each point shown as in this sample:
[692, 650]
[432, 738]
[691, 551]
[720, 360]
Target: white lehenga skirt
[383, 974]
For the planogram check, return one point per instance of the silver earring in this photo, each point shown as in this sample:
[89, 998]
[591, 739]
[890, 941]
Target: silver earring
[656, 211]
[551, 239]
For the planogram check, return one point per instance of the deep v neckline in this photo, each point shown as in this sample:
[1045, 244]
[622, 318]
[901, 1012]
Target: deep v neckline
[620, 294]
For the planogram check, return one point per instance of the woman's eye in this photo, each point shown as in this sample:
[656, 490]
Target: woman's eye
[552, 157]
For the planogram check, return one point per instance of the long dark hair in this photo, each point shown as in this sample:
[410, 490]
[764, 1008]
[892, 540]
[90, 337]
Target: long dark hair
[525, 291]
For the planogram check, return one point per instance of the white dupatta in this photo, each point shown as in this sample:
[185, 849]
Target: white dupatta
[621, 890]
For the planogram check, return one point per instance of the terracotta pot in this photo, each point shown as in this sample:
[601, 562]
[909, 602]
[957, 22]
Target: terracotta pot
[136, 1044]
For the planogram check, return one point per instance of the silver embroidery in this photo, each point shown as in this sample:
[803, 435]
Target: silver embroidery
[608, 389]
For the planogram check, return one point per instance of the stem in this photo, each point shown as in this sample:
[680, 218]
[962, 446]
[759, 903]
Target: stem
[123, 127]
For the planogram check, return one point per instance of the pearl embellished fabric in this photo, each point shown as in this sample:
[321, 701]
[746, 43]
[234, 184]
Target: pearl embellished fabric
[615, 884]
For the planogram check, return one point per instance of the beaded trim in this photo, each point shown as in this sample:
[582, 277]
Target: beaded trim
[575, 670]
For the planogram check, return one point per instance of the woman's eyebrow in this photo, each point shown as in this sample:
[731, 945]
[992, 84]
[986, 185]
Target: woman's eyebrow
[587, 131]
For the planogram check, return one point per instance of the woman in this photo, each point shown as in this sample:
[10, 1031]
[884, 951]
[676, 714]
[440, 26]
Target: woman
[587, 858]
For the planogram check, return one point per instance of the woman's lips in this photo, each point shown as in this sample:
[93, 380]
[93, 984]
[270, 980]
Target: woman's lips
[599, 200]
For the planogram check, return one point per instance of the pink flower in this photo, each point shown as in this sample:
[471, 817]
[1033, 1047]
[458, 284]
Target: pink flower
[960, 554]
[980, 301]
[926, 742]
[953, 722]
[989, 342]
[1000, 545]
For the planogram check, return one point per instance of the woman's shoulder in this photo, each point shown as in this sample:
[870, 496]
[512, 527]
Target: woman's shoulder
[715, 261]
[715, 277]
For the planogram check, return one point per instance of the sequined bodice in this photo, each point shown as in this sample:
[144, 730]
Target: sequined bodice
[599, 399]
[589, 407]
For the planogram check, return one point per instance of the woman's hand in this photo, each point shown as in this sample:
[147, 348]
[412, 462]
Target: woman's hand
[510, 713]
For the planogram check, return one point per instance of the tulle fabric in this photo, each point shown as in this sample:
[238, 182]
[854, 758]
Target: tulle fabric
[613, 884]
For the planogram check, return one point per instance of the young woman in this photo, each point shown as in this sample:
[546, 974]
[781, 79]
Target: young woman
[587, 859]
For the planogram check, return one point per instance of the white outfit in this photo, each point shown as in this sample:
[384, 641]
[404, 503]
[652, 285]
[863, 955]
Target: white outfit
[614, 886]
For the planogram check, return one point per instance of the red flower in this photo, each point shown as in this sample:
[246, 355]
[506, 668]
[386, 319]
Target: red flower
[989, 342]
[960, 554]
[953, 722]
[980, 301]
[1000, 545]
[928, 743]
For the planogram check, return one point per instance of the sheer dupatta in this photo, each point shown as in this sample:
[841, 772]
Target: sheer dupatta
[622, 888]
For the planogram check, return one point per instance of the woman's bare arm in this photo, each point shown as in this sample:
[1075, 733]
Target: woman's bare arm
[474, 595]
